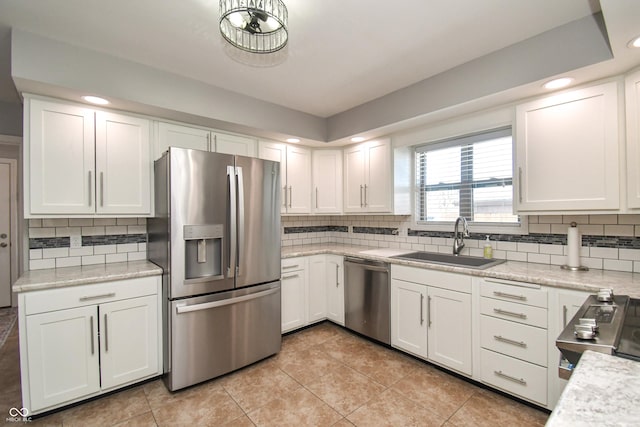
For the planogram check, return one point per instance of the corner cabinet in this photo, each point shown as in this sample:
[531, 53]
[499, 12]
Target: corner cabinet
[83, 341]
[295, 175]
[368, 178]
[327, 181]
[80, 161]
[632, 99]
[567, 152]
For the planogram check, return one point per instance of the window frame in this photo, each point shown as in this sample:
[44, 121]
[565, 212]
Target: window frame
[464, 140]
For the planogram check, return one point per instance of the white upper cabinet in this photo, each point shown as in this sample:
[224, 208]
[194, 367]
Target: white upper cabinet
[567, 152]
[172, 135]
[367, 177]
[295, 175]
[235, 144]
[632, 85]
[81, 161]
[327, 181]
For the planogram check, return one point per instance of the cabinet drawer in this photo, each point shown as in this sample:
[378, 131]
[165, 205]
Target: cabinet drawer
[293, 264]
[437, 279]
[523, 342]
[521, 313]
[511, 291]
[78, 296]
[514, 376]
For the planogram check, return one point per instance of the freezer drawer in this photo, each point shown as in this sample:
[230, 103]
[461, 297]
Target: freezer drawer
[215, 334]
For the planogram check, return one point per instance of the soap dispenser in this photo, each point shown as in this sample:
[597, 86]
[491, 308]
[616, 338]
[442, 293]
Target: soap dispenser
[488, 250]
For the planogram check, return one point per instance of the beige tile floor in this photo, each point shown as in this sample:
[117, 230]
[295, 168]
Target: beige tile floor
[324, 376]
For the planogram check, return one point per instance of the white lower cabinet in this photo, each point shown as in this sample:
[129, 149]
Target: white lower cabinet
[334, 268]
[293, 293]
[431, 316]
[79, 342]
[317, 289]
[514, 376]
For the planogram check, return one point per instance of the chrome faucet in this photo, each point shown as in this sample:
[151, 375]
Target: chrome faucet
[458, 240]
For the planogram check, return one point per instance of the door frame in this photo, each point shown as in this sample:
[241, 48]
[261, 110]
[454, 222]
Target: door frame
[13, 220]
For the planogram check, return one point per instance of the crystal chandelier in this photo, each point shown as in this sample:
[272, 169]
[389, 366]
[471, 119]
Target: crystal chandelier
[257, 26]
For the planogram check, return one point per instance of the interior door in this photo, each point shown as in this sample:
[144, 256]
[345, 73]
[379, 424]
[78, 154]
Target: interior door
[5, 235]
[258, 221]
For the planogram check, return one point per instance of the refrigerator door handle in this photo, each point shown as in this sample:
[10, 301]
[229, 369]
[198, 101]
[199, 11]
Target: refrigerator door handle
[231, 181]
[240, 235]
[221, 303]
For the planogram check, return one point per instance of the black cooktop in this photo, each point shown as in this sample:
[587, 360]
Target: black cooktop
[629, 344]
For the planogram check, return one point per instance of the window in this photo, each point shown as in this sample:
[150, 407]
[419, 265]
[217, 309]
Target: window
[470, 176]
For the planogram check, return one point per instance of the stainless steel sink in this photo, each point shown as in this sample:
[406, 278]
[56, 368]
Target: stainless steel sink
[457, 260]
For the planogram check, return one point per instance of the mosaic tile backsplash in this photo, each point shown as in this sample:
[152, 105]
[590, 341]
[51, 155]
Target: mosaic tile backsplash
[610, 242]
[103, 240]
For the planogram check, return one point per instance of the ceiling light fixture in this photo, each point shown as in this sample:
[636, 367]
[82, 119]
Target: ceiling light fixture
[95, 100]
[558, 83]
[257, 26]
[293, 140]
[634, 42]
[357, 139]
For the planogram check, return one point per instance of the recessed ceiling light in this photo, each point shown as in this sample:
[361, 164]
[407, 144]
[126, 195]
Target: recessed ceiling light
[293, 140]
[558, 83]
[634, 43]
[357, 139]
[95, 100]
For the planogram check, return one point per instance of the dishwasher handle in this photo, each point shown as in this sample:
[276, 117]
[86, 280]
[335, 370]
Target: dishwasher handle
[367, 264]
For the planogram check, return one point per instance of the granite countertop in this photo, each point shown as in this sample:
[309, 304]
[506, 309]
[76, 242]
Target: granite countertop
[37, 280]
[603, 390]
[541, 274]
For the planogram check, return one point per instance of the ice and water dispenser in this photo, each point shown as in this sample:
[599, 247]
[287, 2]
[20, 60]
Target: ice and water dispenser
[203, 252]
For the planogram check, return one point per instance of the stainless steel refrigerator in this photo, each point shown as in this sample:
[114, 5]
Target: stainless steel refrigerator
[216, 234]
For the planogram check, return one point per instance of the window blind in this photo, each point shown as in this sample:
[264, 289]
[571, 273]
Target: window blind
[470, 176]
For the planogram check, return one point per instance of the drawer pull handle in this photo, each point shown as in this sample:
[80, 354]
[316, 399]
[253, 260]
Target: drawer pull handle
[510, 378]
[508, 341]
[512, 296]
[509, 313]
[92, 297]
[290, 277]
[288, 267]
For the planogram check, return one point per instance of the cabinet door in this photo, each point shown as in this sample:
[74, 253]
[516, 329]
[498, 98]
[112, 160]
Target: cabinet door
[449, 322]
[327, 181]
[299, 179]
[61, 153]
[62, 353]
[567, 151]
[277, 153]
[317, 289]
[235, 144]
[293, 300]
[170, 135]
[128, 340]
[123, 164]
[335, 288]
[632, 99]
[409, 317]
[377, 192]
[354, 179]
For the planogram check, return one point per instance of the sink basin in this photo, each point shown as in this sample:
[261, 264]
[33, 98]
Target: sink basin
[460, 260]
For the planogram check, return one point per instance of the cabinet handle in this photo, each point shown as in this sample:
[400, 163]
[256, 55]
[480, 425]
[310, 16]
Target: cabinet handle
[520, 184]
[337, 275]
[290, 195]
[564, 316]
[508, 341]
[510, 378]
[287, 267]
[285, 195]
[365, 196]
[429, 311]
[101, 189]
[509, 313]
[90, 192]
[289, 277]
[316, 197]
[361, 205]
[92, 297]
[106, 334]
[91, 326]
[512, 296]
[421, 314]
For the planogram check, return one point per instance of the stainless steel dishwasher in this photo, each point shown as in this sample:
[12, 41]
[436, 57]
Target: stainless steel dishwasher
[367, 298]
